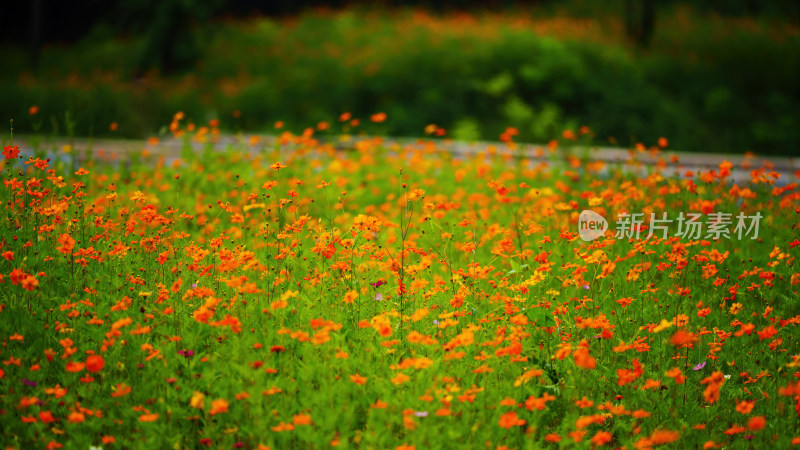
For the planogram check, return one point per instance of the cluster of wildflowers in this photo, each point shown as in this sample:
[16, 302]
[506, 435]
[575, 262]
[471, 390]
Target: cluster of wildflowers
[378, 296]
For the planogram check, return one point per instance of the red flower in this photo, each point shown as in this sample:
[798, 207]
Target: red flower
[16, 276]
[95, 363]
[11, 152]
[756, 423]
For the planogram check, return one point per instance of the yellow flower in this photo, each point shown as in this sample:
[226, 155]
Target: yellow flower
[662, 326]
[254, 206]
[198, 400]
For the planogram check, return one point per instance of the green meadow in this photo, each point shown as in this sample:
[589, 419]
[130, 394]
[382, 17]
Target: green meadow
[293, 295]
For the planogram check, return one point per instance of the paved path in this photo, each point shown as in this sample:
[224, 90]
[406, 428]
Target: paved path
[639, 161]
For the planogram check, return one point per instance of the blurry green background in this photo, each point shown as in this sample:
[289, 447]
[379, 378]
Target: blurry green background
[718, 76]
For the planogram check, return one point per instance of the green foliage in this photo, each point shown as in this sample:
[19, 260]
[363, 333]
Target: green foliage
[268, 275]
[708, 84]
[467, 129]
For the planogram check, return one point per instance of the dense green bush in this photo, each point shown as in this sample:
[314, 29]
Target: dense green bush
[705, 86]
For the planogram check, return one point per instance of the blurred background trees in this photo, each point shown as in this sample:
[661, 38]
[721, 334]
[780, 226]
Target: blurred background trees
[640, 20]
[168, 24]
[711, 75]
[168, 28]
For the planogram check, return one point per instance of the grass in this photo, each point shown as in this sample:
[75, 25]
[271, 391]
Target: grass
[297, 296]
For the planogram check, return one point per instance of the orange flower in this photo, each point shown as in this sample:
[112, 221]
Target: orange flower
[539, 403]
[73, 366]
[510, 419]
[29, 283]
[301, 419]
[400, 378]
[152, 417]
[577, 435]
[283, 427]
[601, 438]
[651, 384]
[745, 407]
[736, 429]
[584, 403]
[16, 276]
[350, 297]
[358, 379]
[625, 376]
[385, 330]
[683, 338]
[76, 417]
[508, 401]
[11, 152]
[790, 390]
[95, 363]
[582, 357]
[218, 406]
[67, 243]
[658, 437]
[121, 390]
[563, 351]
[677, 375]
[28, 401]
[756, 423]
[714, 382]
[57, 391]
[553, 437]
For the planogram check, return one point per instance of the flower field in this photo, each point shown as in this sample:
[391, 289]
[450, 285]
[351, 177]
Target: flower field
[297, 296]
